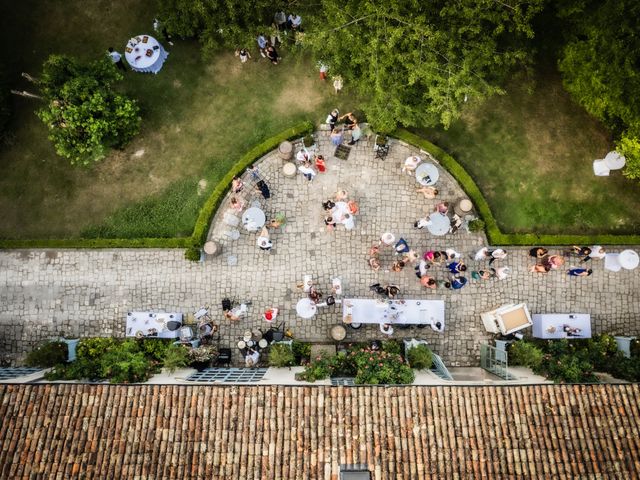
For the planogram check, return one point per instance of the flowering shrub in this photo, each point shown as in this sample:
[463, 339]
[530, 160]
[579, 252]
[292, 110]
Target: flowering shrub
[369, 367]
[204, 353]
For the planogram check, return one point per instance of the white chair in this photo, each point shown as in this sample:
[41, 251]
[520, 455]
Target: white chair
[231, 220]
[233, 234]
[387, 331]
[611, 262]
[600, 168]
[307, 283]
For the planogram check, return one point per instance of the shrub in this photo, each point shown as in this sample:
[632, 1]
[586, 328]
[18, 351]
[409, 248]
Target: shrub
[47, 355]
[155, 349]
[526, 354]
[203, 354]
[126, 364]
[569, 369]
[175, 356]
[392, 347]
[93, 348]
[626, 369]
[280, 355]
[420, 357]
[193, 254]
[301, 351]
[476, 225]
[379, 367]
[319, 368]
[635, 348]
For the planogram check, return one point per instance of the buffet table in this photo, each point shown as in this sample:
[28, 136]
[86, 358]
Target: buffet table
[145, 54]
[364, 310]
[150, 324]
[562, 325]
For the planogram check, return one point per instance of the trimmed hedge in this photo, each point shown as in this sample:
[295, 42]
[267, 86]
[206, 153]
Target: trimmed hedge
[201, 228]
[494, 235]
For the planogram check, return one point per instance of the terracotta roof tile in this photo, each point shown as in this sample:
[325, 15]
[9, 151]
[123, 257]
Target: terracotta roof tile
[158, 432]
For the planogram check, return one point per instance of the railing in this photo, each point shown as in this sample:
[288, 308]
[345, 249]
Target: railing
[439, 368]
[495, 361]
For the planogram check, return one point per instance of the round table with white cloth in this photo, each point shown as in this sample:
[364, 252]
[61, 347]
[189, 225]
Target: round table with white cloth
[614, 161]
[253, 219]
[438, 224]
[306, 308]
[145, 54]
[427, 170]
[628, 259]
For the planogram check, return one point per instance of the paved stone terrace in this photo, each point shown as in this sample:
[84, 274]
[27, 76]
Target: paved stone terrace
[89, 292]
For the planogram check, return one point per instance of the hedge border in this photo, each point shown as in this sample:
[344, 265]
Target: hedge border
[201, 227]
[494, 234]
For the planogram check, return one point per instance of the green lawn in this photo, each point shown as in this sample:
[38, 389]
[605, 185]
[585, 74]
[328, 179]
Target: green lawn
[199, 117]
[531, 155]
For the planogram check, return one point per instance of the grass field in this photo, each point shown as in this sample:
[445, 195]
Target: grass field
[199, 116]
[531, 154]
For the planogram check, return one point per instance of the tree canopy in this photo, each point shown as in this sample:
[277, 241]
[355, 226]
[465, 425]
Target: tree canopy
[85, 117]
[416, 63]
[600, 65]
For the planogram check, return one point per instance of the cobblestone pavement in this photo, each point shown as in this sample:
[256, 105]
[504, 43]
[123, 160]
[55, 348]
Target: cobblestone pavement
[88, 292]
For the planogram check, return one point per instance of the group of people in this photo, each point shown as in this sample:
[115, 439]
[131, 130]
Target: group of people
[340, 210]
[349, 124]
[309, 164]
[545, 262]
[283, 24]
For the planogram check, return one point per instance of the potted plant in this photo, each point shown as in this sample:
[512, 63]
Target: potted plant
[176, 356]
[420, 357]
[281, 355]
[201, 357]
[308, 140]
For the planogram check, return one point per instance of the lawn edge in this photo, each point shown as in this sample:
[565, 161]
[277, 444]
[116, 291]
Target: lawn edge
[494, 234]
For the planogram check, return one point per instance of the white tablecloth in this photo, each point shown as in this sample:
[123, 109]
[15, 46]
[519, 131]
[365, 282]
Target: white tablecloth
[628, 259]
[440, 224]
[343, 215]
[306, 308]
[551, 325]
[136, 54]
[253, 219]
[427, 169]
[143, 321]
[364, 310]
[614, 161]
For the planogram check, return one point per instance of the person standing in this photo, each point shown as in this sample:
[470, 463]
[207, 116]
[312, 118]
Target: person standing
[280, 19]
[332, 119]
[262, 44]
[272, 55]
[116, 58]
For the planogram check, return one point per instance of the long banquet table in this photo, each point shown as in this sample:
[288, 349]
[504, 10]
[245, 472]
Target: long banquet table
[366, 310]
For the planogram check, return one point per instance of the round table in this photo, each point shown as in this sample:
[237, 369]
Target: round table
[463, 207]
[424, 170]
[338, 332]
[212, 248]
[145, 54]
[289, 170]
[628, 259]
[438, 224]
[342, 214]
[285, 150]
[388, 238]
[306, 308]
[614, 161]
[253, 219]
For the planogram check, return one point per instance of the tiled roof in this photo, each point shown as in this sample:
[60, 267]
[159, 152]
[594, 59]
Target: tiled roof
[279, 432]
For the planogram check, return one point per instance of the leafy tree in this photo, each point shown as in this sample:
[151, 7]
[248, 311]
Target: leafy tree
[600, 64]
[84, 115]
[233, 23]
[416, 63]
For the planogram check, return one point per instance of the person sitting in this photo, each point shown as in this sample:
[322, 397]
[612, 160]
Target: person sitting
[237, 185]
[330, 223]
[428, 282]
[341, 196]
[328, 205]
[374, 250]
[428, 192]
[410, 164]
[374, 263]
[272, 55]
[457, 267]
[270, 314]
[410, 257]
[481, 275]
[497, 254]
[251, 358]
[397, 266]
[320, 164]
[482, 254]
[432, 256]
[538, 252]
[236, 313]
[263, 188]
[278, 220]
[402, 246]
[243, 54]
[392, 291]
[501, 272]
[437, 326]
[386, 328]
[303, 156]
[451, 254]
[442, 208]
[314, 295]
[458, 282]
[237, 204]
[307, 170]
[263, 241]
[540, 268]
[596, 252]
[422, 223]
[353, 206]
[421, 268]
[554, 261]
